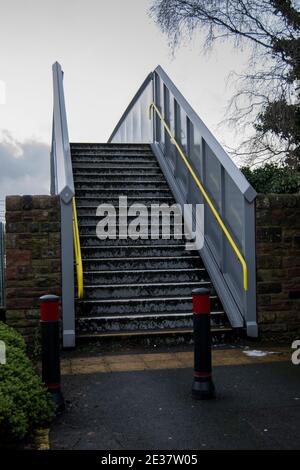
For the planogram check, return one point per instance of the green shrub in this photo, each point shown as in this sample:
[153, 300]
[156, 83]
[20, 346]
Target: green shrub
[271, 178]
[11, 337]
[24, 401]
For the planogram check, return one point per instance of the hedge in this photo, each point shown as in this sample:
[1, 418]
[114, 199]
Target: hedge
[24, 402]
[272, 178]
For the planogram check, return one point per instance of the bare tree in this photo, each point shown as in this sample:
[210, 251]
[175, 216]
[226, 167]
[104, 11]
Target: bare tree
[267, 99]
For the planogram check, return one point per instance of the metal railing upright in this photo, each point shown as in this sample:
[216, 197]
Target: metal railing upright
[62, 184]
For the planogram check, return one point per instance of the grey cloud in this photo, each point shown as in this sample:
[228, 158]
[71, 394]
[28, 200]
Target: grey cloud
[24, 167]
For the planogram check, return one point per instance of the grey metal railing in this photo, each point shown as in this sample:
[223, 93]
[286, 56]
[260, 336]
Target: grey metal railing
[2, 265]
[227, 188]
[62, 184]
[134, 125]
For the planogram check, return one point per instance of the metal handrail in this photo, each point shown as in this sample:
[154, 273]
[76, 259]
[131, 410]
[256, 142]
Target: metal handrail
[205, 195]
[77, 249]
[62, 184]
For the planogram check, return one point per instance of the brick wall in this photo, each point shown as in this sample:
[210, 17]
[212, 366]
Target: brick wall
[32, 258]
[33, 261]
[278, 265]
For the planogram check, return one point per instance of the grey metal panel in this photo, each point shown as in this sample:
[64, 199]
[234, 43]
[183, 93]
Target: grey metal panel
[234, 315]
[2, 264]
[135, 125]
[136, 97]
[62, 184]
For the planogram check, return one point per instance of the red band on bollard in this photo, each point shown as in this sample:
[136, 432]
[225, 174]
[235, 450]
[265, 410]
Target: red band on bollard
[49, 311]
[201, 304]
[202, 375]
[53, 386]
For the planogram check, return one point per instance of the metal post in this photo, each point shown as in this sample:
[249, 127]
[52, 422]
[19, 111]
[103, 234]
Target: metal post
[203, 387]
[67, 268]
[49, 319]
[250, 252]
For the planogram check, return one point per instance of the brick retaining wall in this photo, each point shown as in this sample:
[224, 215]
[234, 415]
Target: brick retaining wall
[278, 265]
[32, 258]
[33, 261]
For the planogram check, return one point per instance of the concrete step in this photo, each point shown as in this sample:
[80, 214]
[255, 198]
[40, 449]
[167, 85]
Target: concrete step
[122, 220]
[142, 289]
[118, 178]
[132, 276]
[142, 306]
[94, 202]
[154, 322]
[122, 185]
[98, 192]
[87, 216]
[151, 231]
[107, 184]
[77, 146]
[130, 172]
[142, 263]
[90, 243]
[111, 164]
[128, 251]
[108, 157]
[120, 173]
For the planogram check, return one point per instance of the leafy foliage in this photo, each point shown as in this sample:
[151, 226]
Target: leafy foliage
[266, 102]
[273, 179]
[24, 401]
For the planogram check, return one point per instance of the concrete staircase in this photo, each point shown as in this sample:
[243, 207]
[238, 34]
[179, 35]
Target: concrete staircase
[132, 287]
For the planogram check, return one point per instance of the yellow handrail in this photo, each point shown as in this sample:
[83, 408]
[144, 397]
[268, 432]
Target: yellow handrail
[78, 259]
[205, 195]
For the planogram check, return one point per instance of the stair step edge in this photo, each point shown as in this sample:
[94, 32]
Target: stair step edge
[140, 299]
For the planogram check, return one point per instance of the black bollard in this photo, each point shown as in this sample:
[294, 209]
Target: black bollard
[49, 319]
[203, 387]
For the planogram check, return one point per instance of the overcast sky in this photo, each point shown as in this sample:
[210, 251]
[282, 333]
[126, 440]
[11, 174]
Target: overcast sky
[106, 48]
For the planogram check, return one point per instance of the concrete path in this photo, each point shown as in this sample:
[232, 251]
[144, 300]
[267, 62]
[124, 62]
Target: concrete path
[142, 401]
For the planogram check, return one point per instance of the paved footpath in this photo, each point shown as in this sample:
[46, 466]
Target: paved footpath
[142, 401]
